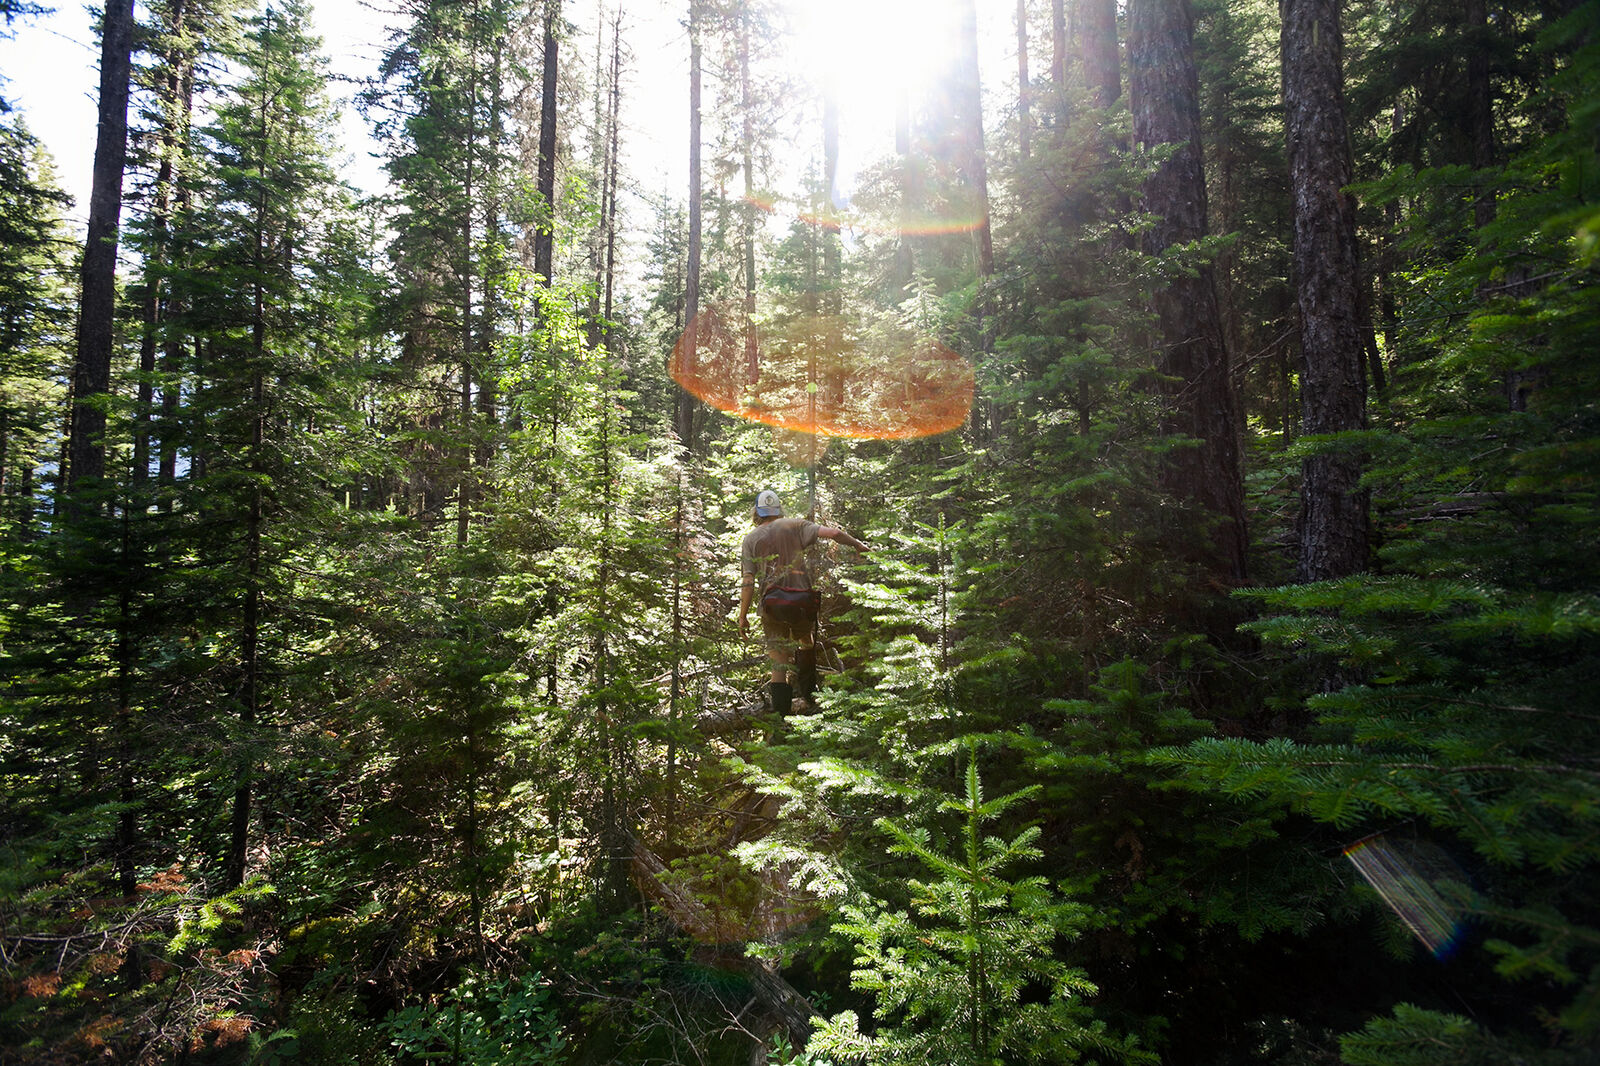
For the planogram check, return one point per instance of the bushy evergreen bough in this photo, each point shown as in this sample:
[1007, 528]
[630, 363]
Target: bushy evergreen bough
[970, 973]
[1457, 685]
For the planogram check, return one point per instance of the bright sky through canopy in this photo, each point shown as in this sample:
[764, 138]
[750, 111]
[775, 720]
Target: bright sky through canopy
[871, 51]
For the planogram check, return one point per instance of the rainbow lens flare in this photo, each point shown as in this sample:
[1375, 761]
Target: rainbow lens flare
[1404, 874]
[824, 374]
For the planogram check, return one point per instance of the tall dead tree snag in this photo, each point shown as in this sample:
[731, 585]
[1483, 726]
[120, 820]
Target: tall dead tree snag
[1333, 516]
[1192, 358]
[91, 370]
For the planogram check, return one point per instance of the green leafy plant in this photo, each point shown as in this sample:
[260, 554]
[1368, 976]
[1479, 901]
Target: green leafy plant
[482, 1022]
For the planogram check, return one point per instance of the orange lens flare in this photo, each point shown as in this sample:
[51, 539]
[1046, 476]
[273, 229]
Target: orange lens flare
[821, 374]
[1404, 874]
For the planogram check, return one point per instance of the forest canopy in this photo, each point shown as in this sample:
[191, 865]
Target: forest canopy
[1213, 384]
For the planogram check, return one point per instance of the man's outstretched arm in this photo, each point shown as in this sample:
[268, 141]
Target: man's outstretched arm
[839, 535]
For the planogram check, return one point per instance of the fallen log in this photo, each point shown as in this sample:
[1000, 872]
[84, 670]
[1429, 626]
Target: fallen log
[792, 1010]
[726, 720]
[742, 716]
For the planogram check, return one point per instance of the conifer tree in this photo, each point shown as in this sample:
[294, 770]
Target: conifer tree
[544, 237]
[443, 98]
[1192, 353]
[1333, 521]
[683, 421]
[1457, 733]
[952, 976]
[272, 230]
[34, 320]
[91, 373]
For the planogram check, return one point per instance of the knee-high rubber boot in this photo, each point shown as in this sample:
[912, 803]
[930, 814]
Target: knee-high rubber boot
[782, 698]
[805, 665]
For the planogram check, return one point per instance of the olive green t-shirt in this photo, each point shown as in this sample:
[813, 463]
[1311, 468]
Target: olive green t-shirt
[770, 552]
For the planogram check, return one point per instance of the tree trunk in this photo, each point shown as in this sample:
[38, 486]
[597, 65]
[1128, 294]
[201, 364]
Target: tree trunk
[250, 624]
[1102, 67]
[172, 350]
[469, 195]
[832, 378]
[544, 238]
[1024, 119]
[91, 371]
[1333, 520]
[975, 166]
[1480, 105]
[1164, 94]
[152, 302]
[598, 149]
[683, 419]
[615, 163]
[904, 259]
[792, 1010]
[1058, 52]
[493, 267]
[752, 354]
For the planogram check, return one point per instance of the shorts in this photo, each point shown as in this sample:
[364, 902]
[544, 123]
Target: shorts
[781, 636]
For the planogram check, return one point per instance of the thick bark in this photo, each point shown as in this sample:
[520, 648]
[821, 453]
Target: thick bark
[675, 687]
[91, 371]
[1102, 69]
[544, 239]
[1333, 519]
[1164, 95]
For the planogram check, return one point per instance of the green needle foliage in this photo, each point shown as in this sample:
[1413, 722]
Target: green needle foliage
[970, 974]
[394, 658]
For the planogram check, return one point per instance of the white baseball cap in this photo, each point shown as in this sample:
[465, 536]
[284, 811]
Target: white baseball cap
[768, 505]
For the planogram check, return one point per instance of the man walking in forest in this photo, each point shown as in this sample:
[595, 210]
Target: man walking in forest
[772, 558]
